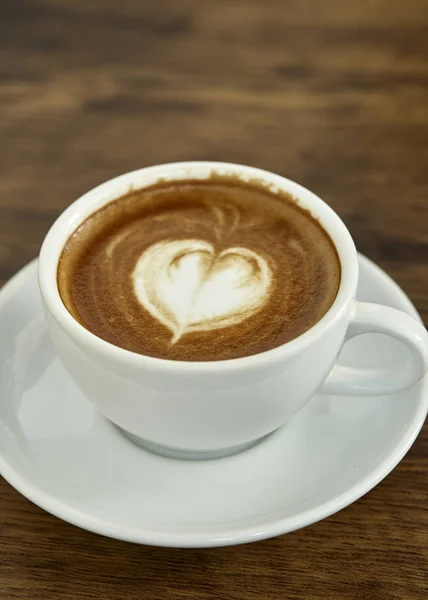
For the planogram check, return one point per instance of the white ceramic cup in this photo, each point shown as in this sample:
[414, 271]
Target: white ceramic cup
[210, 409]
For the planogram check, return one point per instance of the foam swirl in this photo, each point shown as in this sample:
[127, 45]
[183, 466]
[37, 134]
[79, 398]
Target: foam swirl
[188, 287]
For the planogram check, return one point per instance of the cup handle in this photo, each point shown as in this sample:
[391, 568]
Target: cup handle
[375, 318]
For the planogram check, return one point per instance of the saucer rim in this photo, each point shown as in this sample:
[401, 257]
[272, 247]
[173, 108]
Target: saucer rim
[234, 535]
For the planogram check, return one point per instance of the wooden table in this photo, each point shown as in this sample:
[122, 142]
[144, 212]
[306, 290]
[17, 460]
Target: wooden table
[333, 94]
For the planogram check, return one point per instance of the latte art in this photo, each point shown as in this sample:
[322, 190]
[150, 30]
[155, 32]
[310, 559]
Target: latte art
[199, 270]
[189, 287]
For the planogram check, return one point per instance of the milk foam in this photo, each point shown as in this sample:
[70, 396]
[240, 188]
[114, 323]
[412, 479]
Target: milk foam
[199, 270]
[188, 286]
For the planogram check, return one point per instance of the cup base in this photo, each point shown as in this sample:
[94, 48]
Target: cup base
[181, 454]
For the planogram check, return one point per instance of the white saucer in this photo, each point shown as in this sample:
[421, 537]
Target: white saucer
[61, 454]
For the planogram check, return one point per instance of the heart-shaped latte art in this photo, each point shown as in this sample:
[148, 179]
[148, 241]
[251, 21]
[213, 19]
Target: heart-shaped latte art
[187, 286]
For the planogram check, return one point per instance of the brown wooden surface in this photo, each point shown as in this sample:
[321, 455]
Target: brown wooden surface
[333, 94]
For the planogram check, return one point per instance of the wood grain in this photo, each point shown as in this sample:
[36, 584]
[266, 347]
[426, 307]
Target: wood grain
[333, 94]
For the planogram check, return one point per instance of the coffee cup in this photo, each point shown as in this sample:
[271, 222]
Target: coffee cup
[212, 409]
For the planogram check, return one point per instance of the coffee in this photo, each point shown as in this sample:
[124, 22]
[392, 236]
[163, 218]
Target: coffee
[199, 270]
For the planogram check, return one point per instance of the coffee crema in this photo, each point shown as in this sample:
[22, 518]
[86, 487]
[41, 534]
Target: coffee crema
[199, 270]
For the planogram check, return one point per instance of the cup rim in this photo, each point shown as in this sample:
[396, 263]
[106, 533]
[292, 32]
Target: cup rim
[114, 188]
